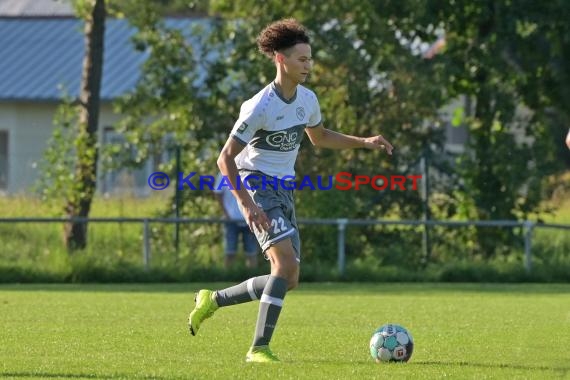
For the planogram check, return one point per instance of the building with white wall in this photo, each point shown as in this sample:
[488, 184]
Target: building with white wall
[42, 49]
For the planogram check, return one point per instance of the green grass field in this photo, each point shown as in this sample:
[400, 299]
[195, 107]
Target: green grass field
[139, 331]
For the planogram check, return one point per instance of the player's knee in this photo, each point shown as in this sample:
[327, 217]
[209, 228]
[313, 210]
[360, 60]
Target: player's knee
[285, 270]
[292, 282]
[293, 278]
[289, 270]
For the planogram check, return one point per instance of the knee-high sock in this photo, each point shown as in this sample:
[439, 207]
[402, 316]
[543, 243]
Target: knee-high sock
[269, 309]
[247, 291]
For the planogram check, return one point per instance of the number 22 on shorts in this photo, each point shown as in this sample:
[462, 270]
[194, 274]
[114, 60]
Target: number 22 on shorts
[278, 225]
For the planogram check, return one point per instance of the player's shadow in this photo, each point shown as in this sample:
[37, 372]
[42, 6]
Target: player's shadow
[560, 370]
[491, 365]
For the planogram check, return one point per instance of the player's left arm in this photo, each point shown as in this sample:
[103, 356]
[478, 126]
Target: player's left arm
[325, 138]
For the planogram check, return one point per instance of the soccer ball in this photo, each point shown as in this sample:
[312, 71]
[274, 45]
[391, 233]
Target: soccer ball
[391, 343]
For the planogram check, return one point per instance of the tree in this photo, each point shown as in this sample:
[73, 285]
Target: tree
[506, 58]
[85, 175]
[370, 78]
[171, 105]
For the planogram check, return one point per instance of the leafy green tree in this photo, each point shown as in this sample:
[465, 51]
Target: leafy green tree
[368, 82]
[503, 56]
[72, 155]
[172, 118]
[175, 108]
[370, 79]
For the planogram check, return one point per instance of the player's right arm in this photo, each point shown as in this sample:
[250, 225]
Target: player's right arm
[251, 119]
[254, 216]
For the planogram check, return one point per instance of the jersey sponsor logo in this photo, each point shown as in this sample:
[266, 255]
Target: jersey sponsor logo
[280, 117]
[242, 127]
[283, 140]
[300, 113]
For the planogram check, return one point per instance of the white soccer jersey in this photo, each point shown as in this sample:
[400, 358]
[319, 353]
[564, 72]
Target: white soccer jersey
[271, 128]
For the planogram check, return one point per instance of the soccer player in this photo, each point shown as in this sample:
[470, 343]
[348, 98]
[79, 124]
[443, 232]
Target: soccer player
[568, 139]
[263, 145]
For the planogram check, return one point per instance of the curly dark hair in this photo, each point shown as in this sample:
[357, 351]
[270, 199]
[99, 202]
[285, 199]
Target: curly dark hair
[281, 35]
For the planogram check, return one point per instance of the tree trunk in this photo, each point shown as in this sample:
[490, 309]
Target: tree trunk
[87, 150]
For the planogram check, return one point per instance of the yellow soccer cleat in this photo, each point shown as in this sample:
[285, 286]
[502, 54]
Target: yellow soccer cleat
[261, 354]
[205, 307]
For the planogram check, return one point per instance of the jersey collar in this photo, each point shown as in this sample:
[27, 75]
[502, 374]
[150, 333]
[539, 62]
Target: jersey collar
[276, 90]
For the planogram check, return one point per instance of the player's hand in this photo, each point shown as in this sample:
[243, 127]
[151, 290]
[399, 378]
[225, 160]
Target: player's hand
[378, 142]
[256, 218]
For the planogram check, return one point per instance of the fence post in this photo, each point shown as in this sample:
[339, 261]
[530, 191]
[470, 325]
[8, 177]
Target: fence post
[341, 223]
[146, 244]
[528, 228]
[426, 244]
[177, 204]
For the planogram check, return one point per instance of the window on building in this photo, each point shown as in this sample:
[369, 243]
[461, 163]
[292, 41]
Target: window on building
[456, 134]
[127, 180]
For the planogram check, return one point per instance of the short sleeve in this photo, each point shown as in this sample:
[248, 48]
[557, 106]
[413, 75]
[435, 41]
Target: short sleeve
[315, 117]
[251, 119]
